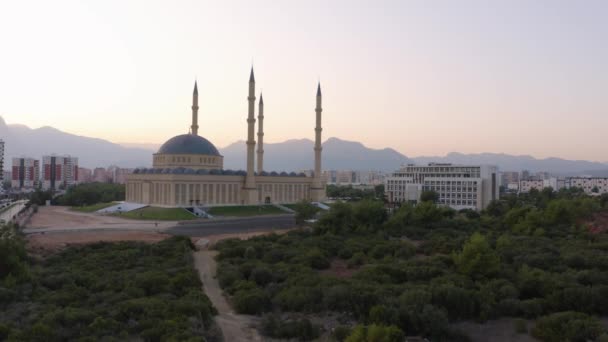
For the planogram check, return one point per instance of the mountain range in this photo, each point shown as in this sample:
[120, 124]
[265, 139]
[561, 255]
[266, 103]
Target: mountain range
[21, 141]
[291, 155]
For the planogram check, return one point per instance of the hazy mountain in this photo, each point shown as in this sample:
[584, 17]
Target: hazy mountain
[507, 162]
[291, 155]
[145, 146]
[294, 155]
[21, 140]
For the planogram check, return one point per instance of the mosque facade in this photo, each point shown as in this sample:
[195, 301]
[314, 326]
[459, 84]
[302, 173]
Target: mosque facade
[188, 169]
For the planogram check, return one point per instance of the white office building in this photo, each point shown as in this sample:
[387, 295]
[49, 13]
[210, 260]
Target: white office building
[458, 186]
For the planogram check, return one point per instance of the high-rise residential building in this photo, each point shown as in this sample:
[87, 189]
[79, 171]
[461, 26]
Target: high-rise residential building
[591, 185]
[100, 175]
[117, 174]
[25, 173]
[509, 177]
[1, 160]
[458, 186]
[59, 171]
[85, 175]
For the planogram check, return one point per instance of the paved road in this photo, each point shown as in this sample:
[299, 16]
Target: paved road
[231, 226]
[8, 214]
[188, 228]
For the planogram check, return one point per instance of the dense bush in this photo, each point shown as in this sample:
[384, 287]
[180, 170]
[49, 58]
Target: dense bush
[119, 291]
[301, 329]
[568, 326]
[92, 193]
[427, 266]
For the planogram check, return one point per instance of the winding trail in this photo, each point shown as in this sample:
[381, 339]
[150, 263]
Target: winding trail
[235, 327]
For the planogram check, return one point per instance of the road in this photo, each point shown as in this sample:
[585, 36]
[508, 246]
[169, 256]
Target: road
[8, 214]
[187, 228]
[233, 225]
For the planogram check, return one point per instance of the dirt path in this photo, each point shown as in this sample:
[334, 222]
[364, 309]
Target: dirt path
[235, 327]
[51, 218]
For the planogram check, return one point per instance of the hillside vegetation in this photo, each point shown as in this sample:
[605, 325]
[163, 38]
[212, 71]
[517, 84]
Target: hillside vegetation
[424, 267]
[106, 291]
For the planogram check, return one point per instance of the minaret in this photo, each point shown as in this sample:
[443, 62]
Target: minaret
[261, 135]
[250, 195]
[194, 127]
[318, 188]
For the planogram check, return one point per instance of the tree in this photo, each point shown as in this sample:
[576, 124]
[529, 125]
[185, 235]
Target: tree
[305, 210]
[477, 258]
[379, 191]
[429, 196]
[370, 213]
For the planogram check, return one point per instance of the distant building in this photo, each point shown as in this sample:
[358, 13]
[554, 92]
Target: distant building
[351, 177]
[59, 171]
[526, 185]
[591, 185]
[118, 175]
[458, 186]
[539, 184]
[25, 173]
[371, 177]
[85, 175]
[509, 177]
[543, 175]
[7, 175]
[100, 175]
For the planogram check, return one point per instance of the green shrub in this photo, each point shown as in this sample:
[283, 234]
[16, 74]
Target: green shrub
[568, 326]
[252, 301]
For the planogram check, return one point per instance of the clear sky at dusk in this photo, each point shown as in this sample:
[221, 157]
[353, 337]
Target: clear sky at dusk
[424, 77]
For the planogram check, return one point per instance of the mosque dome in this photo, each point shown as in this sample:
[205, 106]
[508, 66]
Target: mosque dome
[188, 144]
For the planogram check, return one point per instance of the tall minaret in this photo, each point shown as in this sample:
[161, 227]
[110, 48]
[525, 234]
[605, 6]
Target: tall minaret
[250, 195]
[261, 135]
[194, 128]
[318, 189]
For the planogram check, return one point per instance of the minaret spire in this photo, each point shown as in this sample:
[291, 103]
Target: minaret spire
[250, 189]
[194, 127]
[318, 188]
[261, 135]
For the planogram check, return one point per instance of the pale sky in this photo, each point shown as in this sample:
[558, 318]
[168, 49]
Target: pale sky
[424, 77]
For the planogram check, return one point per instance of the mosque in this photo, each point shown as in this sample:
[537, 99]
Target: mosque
[188, 169]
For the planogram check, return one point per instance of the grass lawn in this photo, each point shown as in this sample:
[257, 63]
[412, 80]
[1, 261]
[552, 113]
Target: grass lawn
[161, 214]
[291, 206]
[93, 207]
[245, 210]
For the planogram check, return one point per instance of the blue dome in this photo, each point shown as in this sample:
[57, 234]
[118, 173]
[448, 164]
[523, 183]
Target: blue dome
[189, 144]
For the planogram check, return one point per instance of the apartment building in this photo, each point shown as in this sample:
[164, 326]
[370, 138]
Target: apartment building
[591, 185]
[59, 171]
[25, 173]
[458, 186]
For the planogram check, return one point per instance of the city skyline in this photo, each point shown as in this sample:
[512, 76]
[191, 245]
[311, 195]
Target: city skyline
[423, 78]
